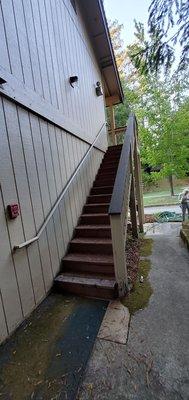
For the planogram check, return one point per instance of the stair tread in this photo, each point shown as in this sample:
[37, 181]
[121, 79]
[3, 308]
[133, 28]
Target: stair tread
[91, 226]
[94, 214]
[92, 240]
[95, 204]
[87, 257]
[99, 281]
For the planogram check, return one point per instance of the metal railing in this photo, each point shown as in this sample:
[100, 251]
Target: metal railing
[127, 190]
[37, 236]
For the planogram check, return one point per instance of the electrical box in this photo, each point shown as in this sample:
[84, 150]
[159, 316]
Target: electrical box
[13, 210]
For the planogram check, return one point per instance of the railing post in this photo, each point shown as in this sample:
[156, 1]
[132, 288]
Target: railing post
[112, 124]
[138, 183]
[118, 243]
[133, 209]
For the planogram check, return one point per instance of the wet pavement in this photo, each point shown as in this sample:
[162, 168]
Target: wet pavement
[46, 357]
[154, 364]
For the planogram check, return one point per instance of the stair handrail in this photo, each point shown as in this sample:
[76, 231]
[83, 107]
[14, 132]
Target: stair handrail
[62, 194]
[127, 184]
[121, 176]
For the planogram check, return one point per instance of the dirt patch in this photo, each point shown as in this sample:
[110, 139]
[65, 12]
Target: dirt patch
[132, 257]
[149, 218]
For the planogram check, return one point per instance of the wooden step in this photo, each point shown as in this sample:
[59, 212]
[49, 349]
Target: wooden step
[101, 190]
[104, 182]
[91, 245]
[99, 198]
[115, 147]
[87, 263]
[94, 219]
[96, 208]
[95, 231]
[109, 163]
[98, 287]
[106, 175]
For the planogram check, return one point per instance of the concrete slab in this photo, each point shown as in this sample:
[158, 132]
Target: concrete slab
[115, 323]
[154, 364]
[165, 228]
[156, 209]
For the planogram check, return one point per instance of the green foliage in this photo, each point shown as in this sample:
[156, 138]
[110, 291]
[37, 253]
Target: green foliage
[168, 26]
[161, 105]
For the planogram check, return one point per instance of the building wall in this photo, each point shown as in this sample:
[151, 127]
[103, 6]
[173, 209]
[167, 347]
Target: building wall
[46, 127]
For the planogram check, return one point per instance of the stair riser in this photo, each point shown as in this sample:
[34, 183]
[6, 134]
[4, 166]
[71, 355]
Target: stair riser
[90, 209]
[93, 233]
[109, 164]
[102, 190]
[103, 182]
[108, 169]
[99, 199]
[87, 291]
[93, 248]
[91, 269]
[111, 159]
[106, 175]
[96, 220]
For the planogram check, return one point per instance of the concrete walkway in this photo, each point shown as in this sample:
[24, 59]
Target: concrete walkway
[156, 209]
[154, 364]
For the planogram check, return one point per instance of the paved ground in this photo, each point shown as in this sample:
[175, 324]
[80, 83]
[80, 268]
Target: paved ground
[154, 364]
[46, 357]
[156, 209]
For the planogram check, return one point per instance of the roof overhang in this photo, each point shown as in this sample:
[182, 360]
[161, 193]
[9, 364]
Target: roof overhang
[94, 14]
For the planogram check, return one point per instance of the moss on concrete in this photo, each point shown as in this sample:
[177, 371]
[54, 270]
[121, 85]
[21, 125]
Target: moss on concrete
[32, 350]
[139, 297]
[146, 247]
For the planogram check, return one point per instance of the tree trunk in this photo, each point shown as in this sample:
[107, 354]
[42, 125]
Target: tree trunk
[171, 184]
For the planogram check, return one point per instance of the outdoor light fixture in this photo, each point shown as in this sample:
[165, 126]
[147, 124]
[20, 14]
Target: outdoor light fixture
[2, 81]
[98, 89]
[73, 81]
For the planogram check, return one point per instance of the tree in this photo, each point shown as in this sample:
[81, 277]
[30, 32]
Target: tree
[161, 106]
[168, 25]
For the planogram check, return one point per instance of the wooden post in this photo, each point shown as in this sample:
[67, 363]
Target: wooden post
[118, 244]
[112, 124]
[133, 209]
[138, 186]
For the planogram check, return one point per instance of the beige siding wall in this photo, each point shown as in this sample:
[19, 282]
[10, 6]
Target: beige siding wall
[37, 159]
[43, 43]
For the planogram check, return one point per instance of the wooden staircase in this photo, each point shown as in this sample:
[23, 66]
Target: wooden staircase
[88, 267]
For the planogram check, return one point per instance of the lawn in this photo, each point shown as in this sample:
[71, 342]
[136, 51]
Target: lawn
[161, 197]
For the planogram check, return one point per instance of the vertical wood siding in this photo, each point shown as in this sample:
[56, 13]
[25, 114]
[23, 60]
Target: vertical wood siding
[37, 160]
[43, 43]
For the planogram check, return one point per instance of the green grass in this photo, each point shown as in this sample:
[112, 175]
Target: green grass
[160, 200]
[162, 197]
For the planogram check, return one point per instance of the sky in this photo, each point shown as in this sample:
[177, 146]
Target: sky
[125, 11]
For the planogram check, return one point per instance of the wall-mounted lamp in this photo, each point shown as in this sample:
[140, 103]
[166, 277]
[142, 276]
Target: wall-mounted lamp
[2, 81]
[73, 81]
[98, 89]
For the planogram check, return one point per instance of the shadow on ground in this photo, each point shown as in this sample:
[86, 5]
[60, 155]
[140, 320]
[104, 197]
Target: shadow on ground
[46, 357]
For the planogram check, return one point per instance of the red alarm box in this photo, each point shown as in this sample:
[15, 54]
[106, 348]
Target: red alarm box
[13, 210]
